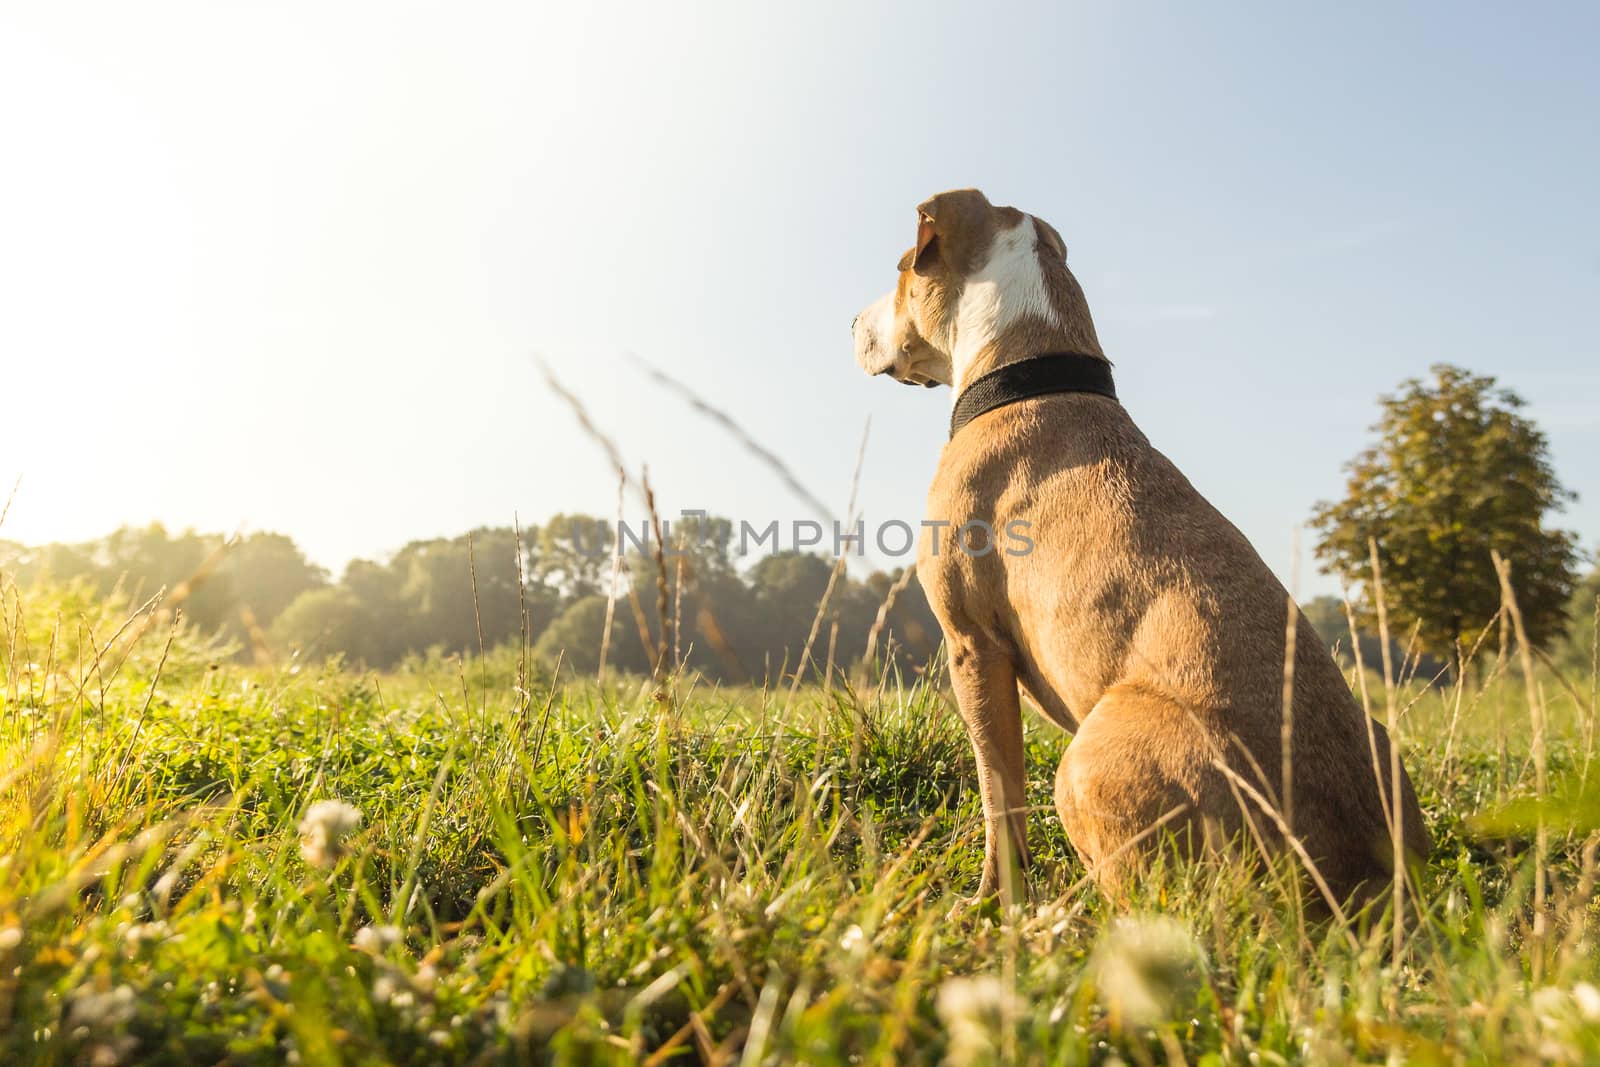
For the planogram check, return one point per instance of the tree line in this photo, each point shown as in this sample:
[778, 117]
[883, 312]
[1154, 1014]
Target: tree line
[547, 585]
[1457, 474]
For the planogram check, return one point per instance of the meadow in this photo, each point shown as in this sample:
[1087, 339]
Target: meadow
[484, 860]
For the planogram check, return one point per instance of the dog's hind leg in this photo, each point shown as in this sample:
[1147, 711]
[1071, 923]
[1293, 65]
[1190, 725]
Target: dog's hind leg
[1138, 774]
[985, 682]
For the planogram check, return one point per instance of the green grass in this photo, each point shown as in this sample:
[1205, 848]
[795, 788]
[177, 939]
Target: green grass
[563, 874]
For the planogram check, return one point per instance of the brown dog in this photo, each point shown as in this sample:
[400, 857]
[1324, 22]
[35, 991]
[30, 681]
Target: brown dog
[1139, 619]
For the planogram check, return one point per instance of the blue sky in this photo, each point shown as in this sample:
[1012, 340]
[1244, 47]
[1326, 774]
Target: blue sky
[287, 268]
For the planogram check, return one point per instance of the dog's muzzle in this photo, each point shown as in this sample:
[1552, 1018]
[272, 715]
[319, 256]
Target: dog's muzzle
[873, 331]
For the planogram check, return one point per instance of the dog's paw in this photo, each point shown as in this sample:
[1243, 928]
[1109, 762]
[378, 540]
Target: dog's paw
[980, 908]
[991, 901]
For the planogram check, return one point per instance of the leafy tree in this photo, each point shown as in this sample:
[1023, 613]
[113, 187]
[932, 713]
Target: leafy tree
[706, 545]
[574, 555]
[145, 559]
[1327, 617]
[267, 571]
[55, 563]
[213, 582]
[436, 594]
[376, 588]
[1457, 471]
[261, 574]
[1578, 651]
[788, 586]
[787, 590]
[574, 638]
[333, 619]
[911, 628]
[452, 589]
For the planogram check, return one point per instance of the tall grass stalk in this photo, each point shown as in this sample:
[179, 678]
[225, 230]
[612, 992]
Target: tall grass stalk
[1396, 795]
[1536, 711]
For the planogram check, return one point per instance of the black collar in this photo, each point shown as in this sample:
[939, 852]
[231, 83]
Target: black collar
[1052, 372]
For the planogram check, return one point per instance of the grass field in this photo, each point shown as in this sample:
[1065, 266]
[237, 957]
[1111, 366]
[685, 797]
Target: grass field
[516, 871]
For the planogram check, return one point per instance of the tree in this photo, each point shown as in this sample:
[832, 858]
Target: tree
[332, 619]
[455, 591]
[788, 587]
[146, 559]
[573, 639]
[911, 629]
[143, 561]
[262, 574]
[1327, 617]
[574, 555]
[1457, 472]
[1579, 649]
[55, 563]
[375, 589]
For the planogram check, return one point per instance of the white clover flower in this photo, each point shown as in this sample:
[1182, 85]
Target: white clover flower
[10, 938]
[139, 934]
[1551, 1006]
[112, 1052]
[101, 1011]
[1332, 992]
[393, 988]
[95, 1019]
[377, 939]
[1588, 1001]
[973, 1011]
[852, 938]
[500, 1008]
[324, 830]
[1145, 968]
[385, 988]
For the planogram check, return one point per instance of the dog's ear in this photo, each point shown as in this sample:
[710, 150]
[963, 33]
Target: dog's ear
[946, 224]
[927, 230]
[917, 255]
[1051, 239]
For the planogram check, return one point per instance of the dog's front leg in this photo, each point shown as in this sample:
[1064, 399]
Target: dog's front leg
[985, 681]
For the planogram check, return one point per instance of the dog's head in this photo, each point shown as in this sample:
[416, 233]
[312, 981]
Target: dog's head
[979, 278]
